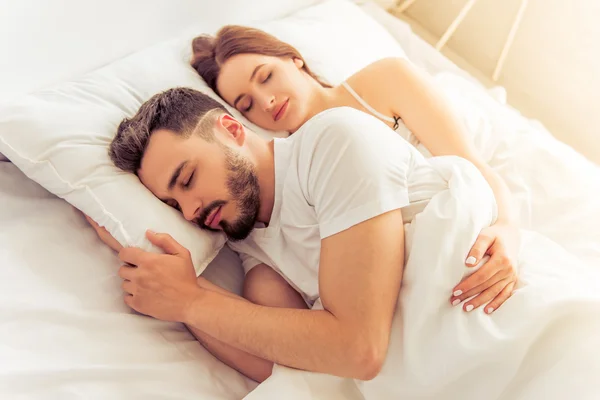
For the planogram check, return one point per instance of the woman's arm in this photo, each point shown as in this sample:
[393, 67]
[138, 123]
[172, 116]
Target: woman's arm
[425, 111]
[412, 95]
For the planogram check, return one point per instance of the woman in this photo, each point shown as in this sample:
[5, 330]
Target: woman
[269, 82]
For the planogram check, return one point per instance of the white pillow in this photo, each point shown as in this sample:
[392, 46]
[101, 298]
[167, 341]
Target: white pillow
[336, 38]
[48, 41]
[59, 136]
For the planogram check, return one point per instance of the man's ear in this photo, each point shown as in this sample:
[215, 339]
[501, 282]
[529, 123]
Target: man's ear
[234, 129]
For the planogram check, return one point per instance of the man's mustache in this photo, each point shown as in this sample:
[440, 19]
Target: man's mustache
[206, 212]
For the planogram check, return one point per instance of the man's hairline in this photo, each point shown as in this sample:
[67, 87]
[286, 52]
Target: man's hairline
[184, 135]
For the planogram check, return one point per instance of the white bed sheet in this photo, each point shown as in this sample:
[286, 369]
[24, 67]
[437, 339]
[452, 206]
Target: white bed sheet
[67, 334]
[65, 331]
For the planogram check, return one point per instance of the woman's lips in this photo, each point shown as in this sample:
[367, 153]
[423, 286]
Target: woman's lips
[277, 116]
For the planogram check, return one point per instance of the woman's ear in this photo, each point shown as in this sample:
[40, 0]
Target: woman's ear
[299, 63]
[233, 128]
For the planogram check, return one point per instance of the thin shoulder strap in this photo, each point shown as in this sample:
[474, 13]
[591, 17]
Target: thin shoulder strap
[366, 105]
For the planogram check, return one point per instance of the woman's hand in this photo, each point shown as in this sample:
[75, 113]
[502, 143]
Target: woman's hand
[494, 282]
[104, 235]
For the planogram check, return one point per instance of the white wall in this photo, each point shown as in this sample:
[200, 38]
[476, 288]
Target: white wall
[553, 70]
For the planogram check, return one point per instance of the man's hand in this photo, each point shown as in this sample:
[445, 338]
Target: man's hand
[162, 286]
[104, 235]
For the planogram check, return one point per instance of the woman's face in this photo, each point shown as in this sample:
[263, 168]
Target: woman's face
[272, 92]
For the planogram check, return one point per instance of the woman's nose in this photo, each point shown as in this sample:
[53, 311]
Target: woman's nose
[268, 103]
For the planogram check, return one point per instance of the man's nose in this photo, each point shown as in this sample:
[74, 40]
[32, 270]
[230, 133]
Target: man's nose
[190, 211]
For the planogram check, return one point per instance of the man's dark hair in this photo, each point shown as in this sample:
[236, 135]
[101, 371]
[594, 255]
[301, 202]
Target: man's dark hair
[181, 110]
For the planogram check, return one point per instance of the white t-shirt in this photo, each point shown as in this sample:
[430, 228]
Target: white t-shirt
[342, 167]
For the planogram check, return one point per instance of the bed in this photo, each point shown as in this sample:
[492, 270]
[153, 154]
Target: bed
[66, 332]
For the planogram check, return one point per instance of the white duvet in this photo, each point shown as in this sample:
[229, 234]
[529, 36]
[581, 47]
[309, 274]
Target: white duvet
[544, 343]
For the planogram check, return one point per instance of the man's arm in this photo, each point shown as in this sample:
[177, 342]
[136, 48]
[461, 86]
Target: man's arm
[360, 274]
[262, 286]
[357, 185]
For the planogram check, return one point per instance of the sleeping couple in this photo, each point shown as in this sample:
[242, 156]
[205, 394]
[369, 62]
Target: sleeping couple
[320, 218]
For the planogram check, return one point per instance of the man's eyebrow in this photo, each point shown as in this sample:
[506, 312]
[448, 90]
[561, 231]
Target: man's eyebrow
[258, 67]
[176, 174]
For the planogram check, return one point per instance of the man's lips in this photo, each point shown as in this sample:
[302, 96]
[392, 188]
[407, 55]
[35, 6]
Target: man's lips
[279, 112]
[214, 218]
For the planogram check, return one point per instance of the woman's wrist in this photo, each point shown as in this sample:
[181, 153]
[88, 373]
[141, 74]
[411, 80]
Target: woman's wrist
[507, 221]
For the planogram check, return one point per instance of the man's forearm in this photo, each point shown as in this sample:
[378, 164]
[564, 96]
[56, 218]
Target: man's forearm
[303, 339]
[250, 365]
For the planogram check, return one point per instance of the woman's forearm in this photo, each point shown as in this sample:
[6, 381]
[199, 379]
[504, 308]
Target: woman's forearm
[506, 212]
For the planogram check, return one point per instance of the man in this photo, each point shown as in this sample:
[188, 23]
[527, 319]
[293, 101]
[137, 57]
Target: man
[317, 216]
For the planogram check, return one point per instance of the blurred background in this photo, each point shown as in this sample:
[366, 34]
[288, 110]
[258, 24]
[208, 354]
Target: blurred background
[552, 71]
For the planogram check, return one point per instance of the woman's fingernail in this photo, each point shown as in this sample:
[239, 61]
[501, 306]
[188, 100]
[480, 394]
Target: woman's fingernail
[456, 302]
[457, 293]
[490, 310]
[469, 307]
[471, 260]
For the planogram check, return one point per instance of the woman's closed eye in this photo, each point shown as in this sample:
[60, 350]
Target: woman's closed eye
[246, 105]
[267, 77]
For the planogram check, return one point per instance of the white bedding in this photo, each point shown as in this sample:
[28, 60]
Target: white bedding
[66, 333]
[543, 344]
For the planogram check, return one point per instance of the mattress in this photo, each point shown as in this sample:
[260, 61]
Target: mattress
[66, 332]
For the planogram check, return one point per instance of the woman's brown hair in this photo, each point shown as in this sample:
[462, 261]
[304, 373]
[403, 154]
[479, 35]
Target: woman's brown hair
[210, 52]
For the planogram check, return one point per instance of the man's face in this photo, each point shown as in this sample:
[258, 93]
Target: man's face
[213, 185]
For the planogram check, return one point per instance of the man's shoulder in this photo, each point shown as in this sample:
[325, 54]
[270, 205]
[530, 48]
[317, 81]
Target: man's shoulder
[334, 118]
[339, 127]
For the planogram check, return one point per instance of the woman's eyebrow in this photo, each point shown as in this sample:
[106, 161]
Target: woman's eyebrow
[258, 67]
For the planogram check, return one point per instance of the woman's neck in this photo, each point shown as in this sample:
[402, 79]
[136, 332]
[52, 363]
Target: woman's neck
[325, 98]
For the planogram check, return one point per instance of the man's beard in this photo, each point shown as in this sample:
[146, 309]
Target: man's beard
[243, 187]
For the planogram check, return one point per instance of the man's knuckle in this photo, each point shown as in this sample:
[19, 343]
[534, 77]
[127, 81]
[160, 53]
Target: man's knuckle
[485, 237]
[142, 280]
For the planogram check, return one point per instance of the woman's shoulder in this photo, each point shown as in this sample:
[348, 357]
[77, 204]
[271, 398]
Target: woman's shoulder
[378, 74]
